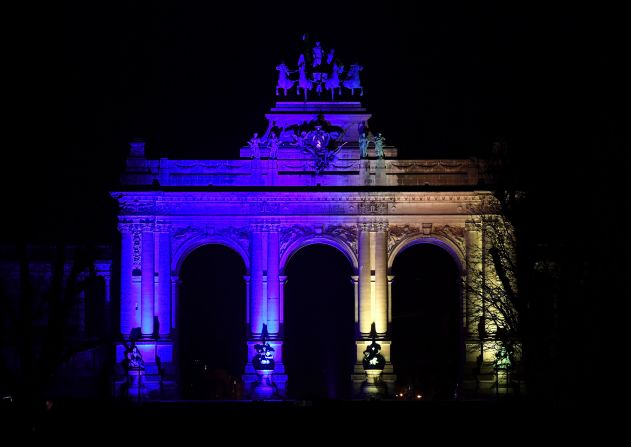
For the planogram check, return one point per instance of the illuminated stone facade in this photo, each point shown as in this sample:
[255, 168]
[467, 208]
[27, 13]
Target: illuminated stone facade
[266, 209]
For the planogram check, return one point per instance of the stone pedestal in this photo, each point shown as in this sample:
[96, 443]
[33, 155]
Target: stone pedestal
[373, 387]
[264, 387]
[136, 388]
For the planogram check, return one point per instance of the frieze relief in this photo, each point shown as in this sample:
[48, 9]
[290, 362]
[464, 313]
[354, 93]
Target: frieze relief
[137, 207]
[372, 208]
[264, 207]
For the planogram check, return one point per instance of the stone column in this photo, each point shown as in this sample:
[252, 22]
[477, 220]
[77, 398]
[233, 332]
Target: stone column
[246, 278]
[273, 295]
[175, 304]
[381, 279]
[163, 303]
[281, 317]
[390, 279]
[127, 304]
[148, 280]
[473, 244]
[475, 378]
[365, 299]
[258, 306]
[355, 282]
[107, 282]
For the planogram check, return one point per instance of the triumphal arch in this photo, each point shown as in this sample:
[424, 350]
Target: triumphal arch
[317, 175]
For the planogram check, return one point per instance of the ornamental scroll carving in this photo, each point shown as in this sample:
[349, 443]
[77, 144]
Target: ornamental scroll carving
[344, 233]
[240, 235]
[136, 234]
[181, 235]
[453, 234]
[397, 233]
[347, 234]
[289, 235]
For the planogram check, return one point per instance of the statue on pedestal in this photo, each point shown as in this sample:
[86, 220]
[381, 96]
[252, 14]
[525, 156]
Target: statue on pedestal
[363, 145]
[352, 79]
[373, 363]
[283, 78]
[379, 142]
[264, 358]
[254, 143]
[372, 357]
[133, 359]
[502, 360]
[273, 143]
[263, 362]
[320, 69]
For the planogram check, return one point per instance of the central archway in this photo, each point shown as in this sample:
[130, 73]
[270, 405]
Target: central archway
[212, 326]
[319, 323]
[426, 321]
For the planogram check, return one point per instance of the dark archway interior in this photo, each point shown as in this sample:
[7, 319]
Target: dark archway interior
[426, 322]
[212, 324]
[319, 324]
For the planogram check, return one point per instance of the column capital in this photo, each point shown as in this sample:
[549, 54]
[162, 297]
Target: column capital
[163, 227]
[364, 226]
[147, 226]
[265, 227]
[472, 225]
[257, 227]
[175, 279]
[380, 226]
[126, 227]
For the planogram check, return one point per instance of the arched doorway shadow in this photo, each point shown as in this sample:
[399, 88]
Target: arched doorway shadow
[212, 326]
[319, 348]
[426, 322]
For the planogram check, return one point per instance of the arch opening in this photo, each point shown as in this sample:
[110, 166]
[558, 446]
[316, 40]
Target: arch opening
[427, 339]
[319, 348]
[211, 323]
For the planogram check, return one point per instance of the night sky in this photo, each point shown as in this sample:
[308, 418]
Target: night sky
[442, 79]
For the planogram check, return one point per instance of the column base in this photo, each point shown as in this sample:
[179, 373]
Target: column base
[373, 384]
[158, 380]
[258, 387]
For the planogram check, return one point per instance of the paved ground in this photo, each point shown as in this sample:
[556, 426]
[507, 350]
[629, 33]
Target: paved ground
[251, 418]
